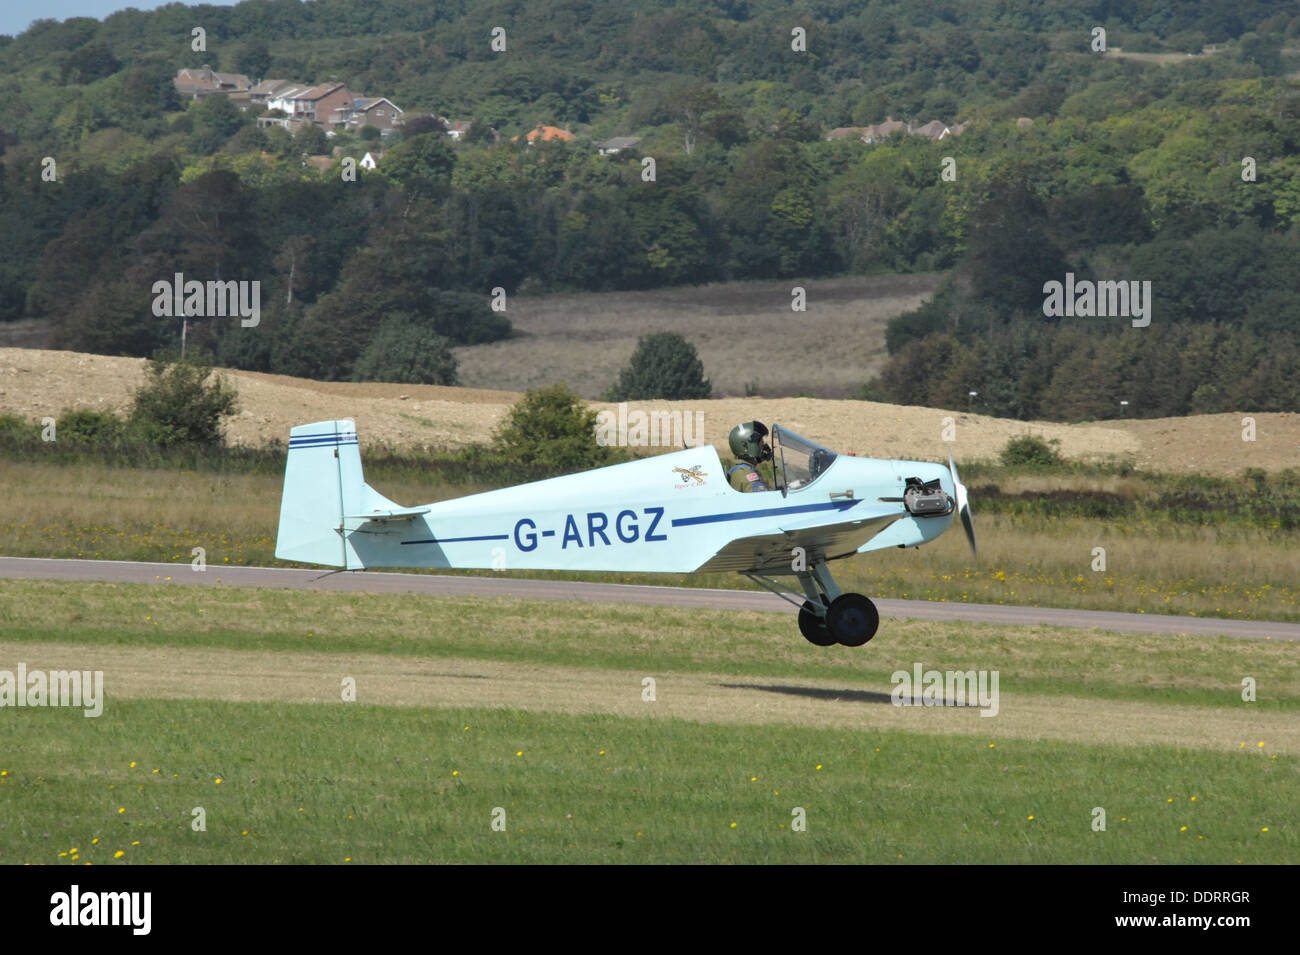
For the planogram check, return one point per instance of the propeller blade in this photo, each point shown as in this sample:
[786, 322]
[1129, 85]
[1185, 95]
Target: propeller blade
[962, 503]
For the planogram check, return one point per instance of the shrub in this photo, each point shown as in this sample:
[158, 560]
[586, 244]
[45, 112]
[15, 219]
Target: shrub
[87, 426]
[14, 430]
[1031, 451]
[551, 431]
[177, 405]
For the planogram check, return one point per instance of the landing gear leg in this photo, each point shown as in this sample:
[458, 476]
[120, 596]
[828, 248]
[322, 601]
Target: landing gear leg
[827, 616]
[812, 615]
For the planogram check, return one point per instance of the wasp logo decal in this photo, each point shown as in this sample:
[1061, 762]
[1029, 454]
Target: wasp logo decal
[696, 472]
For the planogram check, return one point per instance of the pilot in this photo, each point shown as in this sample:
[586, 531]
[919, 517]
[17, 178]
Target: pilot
[748, 443]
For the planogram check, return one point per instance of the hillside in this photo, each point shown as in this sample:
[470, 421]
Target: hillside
[745, 332]
[34, 384]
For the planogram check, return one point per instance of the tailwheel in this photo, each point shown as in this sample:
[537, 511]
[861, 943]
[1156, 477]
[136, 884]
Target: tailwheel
[851, 619]
[814, 627]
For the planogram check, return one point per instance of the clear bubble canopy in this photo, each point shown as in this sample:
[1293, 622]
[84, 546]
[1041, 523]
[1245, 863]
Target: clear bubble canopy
[798, 461]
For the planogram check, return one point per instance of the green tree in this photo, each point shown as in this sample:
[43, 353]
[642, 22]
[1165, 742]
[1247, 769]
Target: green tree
[551, 431]
[215, 120]
[422, 165]
[92, 62]
[402, 351]
[311, 139]
[178, 405]
[254, 58]
[664, 365]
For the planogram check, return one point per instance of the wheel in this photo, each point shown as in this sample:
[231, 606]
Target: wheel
[813, 627]
[852, 619]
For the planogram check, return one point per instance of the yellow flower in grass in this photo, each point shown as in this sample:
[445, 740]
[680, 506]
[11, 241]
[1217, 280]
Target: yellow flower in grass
[118, 854]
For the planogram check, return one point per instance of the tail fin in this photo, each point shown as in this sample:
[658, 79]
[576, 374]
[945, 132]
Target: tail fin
[322, 483]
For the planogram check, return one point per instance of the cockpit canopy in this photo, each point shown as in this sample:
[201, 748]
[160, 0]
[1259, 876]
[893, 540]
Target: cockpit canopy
[797, 462]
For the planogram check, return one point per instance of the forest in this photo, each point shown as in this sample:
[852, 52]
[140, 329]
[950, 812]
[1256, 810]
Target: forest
[1171, 158]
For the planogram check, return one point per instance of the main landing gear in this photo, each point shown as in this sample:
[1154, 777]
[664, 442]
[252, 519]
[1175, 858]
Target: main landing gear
[826, 616]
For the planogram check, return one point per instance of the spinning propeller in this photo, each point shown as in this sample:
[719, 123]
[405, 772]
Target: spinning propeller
[963, 505]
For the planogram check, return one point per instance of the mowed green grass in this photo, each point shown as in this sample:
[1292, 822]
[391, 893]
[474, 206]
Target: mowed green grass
[363, 784]
[1039, 659]
[329, 783]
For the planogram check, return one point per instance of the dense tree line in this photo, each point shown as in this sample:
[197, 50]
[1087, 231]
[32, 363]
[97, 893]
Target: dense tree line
[1129, 171]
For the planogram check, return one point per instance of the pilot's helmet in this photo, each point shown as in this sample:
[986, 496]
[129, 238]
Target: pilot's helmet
[746, 441]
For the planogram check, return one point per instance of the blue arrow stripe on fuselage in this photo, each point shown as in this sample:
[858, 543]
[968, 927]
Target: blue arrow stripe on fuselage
[678, 522]
[766, 512]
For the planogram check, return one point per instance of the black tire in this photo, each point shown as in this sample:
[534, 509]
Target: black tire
[813, 627]
[852, 619]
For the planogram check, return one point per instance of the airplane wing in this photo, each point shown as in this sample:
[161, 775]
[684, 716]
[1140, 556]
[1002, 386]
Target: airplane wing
[820, 540]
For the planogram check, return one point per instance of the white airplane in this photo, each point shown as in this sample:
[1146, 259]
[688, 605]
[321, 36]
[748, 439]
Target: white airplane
[672, 513]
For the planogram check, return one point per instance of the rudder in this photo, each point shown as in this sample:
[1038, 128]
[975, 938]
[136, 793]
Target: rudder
[322, 482]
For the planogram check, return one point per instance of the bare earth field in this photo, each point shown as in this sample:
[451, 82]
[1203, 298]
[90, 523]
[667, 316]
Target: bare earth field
[746, 334]
[35, 384]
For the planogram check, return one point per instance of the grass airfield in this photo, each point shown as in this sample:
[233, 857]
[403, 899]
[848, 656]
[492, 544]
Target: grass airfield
[230, 700]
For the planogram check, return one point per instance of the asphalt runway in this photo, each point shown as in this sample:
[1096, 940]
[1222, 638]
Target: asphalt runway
[139, 572]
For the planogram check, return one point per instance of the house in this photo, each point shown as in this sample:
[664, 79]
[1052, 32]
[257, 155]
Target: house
[845, 132]
[204, 82]
[459, 129]
[267, 89]
[282, 99]
[319, 163]
[364, 111]
[315, 105]
[882, 131]
[545, 134]
[1024, 122]
[371, 159]
[612, 147]
[934, 129]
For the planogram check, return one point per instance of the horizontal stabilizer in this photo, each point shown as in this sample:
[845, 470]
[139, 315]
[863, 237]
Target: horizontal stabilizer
[391, 514]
